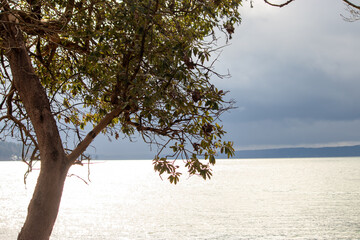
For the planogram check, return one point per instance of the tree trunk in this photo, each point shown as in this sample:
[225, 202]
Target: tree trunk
[44, 206]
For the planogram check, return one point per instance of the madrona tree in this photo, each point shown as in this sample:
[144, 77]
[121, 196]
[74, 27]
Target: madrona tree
[113, 67]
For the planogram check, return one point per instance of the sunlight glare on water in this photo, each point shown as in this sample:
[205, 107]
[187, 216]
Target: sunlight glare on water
[245, 199]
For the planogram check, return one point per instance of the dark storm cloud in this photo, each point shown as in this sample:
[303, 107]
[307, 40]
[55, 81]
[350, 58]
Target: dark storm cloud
[297, 92]
[295, 76]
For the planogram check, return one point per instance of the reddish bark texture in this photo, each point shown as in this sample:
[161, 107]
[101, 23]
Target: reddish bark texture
[43, 208]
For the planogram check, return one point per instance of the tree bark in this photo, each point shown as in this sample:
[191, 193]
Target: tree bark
[44, 206]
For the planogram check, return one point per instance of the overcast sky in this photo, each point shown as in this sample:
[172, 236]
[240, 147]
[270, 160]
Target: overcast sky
[295, 75]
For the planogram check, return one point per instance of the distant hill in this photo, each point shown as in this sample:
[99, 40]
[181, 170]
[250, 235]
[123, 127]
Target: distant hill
[125, 156]
[301, 152]
[9, 149]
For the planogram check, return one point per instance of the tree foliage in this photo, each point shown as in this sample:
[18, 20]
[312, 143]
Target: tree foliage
[122, 67]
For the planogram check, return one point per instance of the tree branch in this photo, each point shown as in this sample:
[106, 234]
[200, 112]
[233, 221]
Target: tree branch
[280, 5]
[69, 10]
[351, 4]
[289, 1]
[21, 127]
[93, 133]
[32, 23]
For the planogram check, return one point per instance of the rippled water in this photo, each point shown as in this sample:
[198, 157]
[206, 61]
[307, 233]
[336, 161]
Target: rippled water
[246, 199]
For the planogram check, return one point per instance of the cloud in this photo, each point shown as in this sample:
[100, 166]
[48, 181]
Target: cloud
[292, 132]
[295, 75]
[297, 92]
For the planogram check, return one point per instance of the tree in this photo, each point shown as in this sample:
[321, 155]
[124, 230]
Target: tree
[116, 67]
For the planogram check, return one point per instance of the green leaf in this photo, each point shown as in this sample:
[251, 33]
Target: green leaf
[212, 159]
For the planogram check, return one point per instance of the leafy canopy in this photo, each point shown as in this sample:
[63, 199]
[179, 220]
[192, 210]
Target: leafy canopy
[148, 61]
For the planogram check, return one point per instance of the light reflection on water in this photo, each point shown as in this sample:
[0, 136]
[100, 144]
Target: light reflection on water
[246, 199]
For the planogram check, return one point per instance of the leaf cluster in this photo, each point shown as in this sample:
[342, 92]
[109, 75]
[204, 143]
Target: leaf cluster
[147, 60]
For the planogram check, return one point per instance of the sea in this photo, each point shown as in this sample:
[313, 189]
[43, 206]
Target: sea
[307, 198]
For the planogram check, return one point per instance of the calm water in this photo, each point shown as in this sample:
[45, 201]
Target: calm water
[246, 199]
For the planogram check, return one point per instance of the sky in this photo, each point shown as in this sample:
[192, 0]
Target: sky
[295, 77]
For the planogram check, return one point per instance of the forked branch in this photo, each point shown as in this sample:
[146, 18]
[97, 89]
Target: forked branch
[278, 5]
[289, 1]
[93, 133]
[352, 4]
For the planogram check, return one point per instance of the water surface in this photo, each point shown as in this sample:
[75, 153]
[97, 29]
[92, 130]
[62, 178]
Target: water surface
[245, 199]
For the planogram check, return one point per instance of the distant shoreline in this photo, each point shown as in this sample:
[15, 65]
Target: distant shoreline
[301, 152]
[9, 150]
